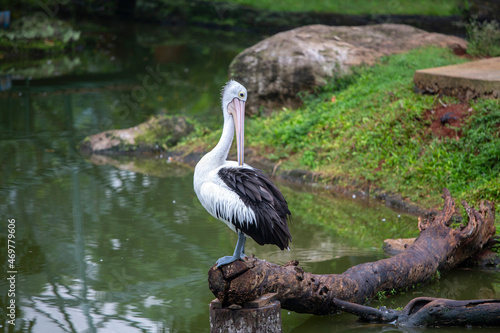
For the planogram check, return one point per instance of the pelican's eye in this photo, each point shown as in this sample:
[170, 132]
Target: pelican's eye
[241, 94]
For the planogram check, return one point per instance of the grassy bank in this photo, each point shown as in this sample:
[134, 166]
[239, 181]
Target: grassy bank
[360, 7]
[376, 132]
[371, 128]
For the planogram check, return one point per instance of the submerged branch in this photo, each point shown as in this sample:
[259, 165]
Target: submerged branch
[428, 311]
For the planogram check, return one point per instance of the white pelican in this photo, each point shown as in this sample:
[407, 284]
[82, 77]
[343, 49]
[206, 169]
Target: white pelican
[234, 192]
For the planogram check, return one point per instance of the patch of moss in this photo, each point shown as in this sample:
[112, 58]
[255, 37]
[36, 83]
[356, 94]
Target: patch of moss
[163, 131]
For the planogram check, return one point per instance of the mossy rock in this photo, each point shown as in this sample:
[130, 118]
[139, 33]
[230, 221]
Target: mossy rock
[157, 134]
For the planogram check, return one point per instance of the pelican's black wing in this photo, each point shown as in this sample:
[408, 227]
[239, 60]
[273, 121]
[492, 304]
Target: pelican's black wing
[259, 194]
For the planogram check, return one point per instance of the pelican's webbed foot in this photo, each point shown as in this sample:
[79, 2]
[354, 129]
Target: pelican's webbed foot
[239, 252]
[226, 260]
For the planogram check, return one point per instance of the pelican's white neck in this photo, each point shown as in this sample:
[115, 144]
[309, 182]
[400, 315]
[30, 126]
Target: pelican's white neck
[221, 150]
[216, 157]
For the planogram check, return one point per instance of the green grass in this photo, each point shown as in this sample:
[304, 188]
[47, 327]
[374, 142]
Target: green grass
[360, 7]
[375, 133]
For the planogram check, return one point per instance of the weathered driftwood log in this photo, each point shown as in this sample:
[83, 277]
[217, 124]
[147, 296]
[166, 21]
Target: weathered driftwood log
[438, 248]
[428, 311]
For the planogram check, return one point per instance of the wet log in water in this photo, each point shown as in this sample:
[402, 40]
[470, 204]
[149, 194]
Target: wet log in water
[438, 248]
[428, 311]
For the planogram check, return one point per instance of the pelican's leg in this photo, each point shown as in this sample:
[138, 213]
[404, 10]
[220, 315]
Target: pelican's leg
[241, 235]
[239, 252]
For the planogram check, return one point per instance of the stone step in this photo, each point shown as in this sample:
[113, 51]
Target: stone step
[480, 78]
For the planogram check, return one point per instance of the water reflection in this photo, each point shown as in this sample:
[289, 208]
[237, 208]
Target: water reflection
[103, 248]
[122, 244]
[128, 75]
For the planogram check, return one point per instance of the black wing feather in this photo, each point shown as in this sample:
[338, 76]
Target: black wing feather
[241, 188]
[270, 207]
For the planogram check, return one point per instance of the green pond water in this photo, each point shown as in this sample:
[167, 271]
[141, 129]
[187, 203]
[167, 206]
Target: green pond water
[112, 244]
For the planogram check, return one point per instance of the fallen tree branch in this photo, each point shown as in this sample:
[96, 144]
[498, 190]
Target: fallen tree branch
[428, 311]
[438, 248]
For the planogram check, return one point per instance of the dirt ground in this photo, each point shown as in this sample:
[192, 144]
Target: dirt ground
[447, 120]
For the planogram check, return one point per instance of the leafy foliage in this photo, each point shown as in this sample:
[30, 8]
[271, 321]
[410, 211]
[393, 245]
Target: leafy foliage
[484, 39]
[37, 33]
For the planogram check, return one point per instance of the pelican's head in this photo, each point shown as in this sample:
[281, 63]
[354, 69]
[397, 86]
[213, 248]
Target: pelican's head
[234, 97]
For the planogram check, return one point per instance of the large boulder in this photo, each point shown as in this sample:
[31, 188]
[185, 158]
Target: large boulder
[277, 68]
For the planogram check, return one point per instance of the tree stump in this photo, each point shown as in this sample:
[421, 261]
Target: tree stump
[438, 248]
[262, 315]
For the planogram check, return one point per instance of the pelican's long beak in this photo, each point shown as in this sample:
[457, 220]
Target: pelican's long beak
[237, 109]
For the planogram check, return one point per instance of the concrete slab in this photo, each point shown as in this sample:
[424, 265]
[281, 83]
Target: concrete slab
[480, 78]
